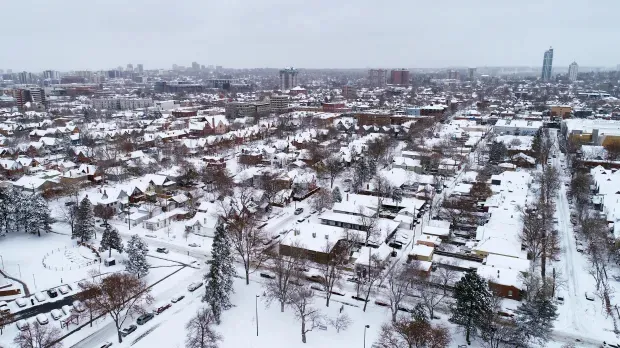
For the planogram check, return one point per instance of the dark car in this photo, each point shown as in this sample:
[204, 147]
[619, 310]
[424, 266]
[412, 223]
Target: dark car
[163, 308]
[52, 293]
[162, 250]
[144, 318]
[126, 331]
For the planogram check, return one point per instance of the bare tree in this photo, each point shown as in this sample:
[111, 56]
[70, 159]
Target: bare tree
[373, 276]
[431, 297]
[200, 333]
[120, 295]
[322, 200]
[399, 282]
[341, 322]
[412, 333]
[331, 270]
[287, 270]
[5, 319]
[446, 275]
[242, 217]
[38, 336]
[310, 317]
[332, 166]
[496, 330]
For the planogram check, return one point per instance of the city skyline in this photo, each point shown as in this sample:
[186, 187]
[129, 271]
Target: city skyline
[245, 35]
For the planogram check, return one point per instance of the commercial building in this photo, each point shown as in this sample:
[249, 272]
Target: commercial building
[51, 74]
[29, 95]
[547, 64]
[471, 72]
[349, 92]
[399, 77]
[377, 77]
[122, 103]
[453, 75]
[573, 70]
[140, 69]
[279, 103]
[288, 78]
[517, 127]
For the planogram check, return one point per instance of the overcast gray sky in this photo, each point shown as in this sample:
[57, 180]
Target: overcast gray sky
[102, 34]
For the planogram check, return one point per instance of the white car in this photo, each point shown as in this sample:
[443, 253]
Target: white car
[22, 325]
[589, 296]
[21, 302]
[42, 319]
[194, 286]
[67, 309]
[56, 314]
[78, 306]
[41, 297]
[64, 289]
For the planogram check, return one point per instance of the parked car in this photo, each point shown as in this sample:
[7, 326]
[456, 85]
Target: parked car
[299, 211]
[52, 293]
[106, 345]
[126, 331]
[194, 245]
[178, 298]
[560, 299]
[64, 289]
[22, 325]
[21, 302]
[42, 319]
[56, 314]
[4, 307]
[162, 250]
[589, 296]
[193, 286]
[67, 309]
[163, 308]
[144, 318]
[41, 297]
[78, 306]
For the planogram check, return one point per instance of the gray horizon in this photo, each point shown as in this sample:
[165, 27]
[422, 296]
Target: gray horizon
[95, 35]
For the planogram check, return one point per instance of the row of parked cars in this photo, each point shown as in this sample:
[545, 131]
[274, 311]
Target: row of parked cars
[146, 317]
[56, 314]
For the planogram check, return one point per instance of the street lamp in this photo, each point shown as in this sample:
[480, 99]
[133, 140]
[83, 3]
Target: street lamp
[365, 327]
[257, 315]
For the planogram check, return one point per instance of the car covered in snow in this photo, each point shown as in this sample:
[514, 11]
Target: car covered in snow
[42, 319]
[162, 308]
[21, 302]
[589, 296]
[78, 306]
[162, 250]
[56, 314]
[193, 286]
[64, 289]
[106, 345]
[41, 297]
[177, 298]
[22, 325]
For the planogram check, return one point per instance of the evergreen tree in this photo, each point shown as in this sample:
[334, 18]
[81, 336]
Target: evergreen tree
[111, 240]
[219, 279]
[41, 219]
[473, 303]
[336, 195]
[84, 222]
[497, 151]
[136, 256]
[535, 319]
[537, 144]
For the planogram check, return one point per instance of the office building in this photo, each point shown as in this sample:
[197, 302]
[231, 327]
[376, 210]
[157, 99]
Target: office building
[140, 69]
[453, 75]
[51, 74]
[195, 66]
[29, 95]
[349, 92]
[547, 64]
[121, 103]
[471, 73]
[25, 78]
[130, 67]
[288, 78]
[377, 77]
[399, 77]
[573, 70]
